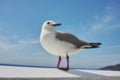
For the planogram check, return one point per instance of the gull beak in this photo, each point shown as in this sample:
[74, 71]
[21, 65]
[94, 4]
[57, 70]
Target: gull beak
[57, 24]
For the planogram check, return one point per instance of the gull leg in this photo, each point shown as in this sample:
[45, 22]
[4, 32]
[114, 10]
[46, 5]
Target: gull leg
[67, 68]
[67, 58]
[59, 61]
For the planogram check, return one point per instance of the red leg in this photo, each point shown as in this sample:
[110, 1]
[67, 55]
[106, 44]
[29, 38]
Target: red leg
[59, 61]
[67, 58]
[67, 68]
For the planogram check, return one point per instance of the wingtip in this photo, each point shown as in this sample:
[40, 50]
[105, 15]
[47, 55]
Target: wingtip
[99, 43]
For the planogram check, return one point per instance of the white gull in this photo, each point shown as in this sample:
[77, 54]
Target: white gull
[61, 43]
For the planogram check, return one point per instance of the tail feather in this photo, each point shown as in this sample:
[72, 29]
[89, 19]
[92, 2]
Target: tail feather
[93, 45]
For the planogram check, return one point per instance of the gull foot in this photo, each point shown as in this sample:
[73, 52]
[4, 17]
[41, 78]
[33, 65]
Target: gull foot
[64, 69]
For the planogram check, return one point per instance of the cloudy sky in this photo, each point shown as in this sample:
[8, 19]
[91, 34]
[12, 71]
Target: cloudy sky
[90, 20]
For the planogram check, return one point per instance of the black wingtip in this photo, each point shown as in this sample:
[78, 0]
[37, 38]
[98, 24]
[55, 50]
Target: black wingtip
[95, 43]
[99, 43]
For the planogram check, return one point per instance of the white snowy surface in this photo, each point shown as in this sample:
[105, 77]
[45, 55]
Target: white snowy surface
[32, 72]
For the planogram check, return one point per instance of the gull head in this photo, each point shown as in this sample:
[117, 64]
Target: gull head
[49, 25]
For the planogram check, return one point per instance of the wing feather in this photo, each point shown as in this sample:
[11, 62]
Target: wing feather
[71, 39]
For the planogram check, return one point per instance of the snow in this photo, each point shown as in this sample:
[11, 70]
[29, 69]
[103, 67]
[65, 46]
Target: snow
[32, 72]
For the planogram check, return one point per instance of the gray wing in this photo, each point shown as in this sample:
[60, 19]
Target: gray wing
[70, 39]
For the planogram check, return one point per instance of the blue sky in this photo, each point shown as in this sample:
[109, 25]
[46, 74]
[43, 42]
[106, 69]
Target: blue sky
[90, 20]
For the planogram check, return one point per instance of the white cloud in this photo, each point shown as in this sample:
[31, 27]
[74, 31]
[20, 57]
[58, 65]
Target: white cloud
[107, 8]
[7, 44]
[30, 41]
[108, 21]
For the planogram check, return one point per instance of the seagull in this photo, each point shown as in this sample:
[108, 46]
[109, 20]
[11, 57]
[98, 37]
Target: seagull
[61, 43]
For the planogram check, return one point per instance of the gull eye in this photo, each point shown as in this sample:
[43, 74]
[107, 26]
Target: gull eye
[48, 22]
